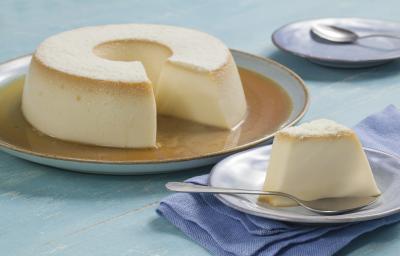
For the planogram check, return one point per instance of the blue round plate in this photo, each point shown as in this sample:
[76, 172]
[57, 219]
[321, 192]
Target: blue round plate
[298, 39]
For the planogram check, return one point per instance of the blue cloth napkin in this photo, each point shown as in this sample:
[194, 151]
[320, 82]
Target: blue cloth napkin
[225, 231]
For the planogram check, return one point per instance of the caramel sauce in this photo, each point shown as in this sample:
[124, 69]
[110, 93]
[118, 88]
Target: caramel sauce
[269, 106]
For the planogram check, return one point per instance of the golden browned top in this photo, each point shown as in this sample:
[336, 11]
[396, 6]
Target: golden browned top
[87, 83]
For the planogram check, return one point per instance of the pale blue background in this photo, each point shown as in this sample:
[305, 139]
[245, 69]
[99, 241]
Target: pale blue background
[44, 211]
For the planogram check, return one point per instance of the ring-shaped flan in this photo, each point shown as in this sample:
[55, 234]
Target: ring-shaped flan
[104, 85]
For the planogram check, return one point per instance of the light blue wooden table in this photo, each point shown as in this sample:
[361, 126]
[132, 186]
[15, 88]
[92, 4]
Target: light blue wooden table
[45, 211]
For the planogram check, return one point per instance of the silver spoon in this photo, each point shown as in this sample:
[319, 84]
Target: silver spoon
[341, 35]
[326, 206]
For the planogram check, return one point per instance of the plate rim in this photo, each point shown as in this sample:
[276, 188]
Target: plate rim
[290, 72]
[330, 60]
[327, 218]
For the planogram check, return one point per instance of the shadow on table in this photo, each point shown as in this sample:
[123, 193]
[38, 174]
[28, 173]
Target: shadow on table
[161, 225]
[313, 72]
[32, 180]
[375, 241]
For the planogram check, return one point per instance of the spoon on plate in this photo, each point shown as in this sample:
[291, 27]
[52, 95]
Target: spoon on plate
[337, 34]
[327, 206]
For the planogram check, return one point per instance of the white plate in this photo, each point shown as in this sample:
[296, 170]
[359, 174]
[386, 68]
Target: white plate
[178, 155]
[247, 170]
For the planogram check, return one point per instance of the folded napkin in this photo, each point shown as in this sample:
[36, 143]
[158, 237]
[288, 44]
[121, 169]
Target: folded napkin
[225, 231]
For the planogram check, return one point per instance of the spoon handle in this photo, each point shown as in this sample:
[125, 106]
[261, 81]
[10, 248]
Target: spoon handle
[343, 30]
[193, 188]
[380, 35]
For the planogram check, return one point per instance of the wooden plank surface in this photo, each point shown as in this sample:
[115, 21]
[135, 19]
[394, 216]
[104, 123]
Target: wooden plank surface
[44, 211]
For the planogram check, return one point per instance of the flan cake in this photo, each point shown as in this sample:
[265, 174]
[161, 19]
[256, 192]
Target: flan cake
[104, 85]
[319, 159]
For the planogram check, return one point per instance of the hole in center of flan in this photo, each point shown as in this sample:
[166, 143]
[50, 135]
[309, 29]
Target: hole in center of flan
[151, 54]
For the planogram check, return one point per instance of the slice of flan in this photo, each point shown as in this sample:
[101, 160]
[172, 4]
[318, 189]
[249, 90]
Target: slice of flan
[105, 85]
[319, 159]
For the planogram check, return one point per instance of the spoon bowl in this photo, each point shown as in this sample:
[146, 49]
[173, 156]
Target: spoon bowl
[326, 206]
[334, 34]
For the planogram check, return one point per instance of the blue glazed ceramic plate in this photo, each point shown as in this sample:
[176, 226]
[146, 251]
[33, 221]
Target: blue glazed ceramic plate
[298, 39]
[247, 170]
[183, 144]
